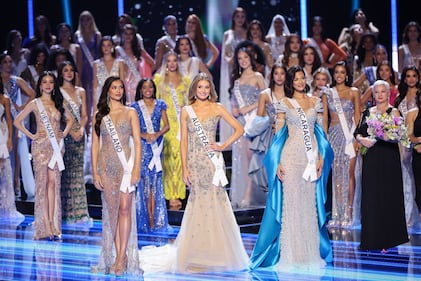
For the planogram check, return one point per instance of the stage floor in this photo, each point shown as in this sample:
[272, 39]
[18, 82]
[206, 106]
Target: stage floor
[22, 258]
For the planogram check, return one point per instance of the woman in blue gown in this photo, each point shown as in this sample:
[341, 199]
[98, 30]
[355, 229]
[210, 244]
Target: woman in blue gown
[151, 207]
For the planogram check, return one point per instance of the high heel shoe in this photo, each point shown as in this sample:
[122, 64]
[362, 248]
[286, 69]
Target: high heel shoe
[55, 233]
[347, 220]
[121, 267]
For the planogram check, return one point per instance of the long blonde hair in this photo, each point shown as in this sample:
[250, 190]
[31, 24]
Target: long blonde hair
[91, 30]
[213, 97]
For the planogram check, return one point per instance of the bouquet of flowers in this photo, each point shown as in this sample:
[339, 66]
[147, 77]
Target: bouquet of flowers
[388, 128]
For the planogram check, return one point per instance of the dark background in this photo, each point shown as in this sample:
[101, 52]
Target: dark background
[149, 15]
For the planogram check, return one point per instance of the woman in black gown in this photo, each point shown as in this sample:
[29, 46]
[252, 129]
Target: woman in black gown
[383, 223]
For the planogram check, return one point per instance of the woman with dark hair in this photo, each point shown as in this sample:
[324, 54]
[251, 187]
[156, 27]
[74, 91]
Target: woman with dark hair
[47, 153]
[344, 109]
[73, 193]
[152, 112]
[20, 95]
[201, 46]
[42, 33]
[57, 56]
[116, 169]
[410, 50]
[293, 232]
[7, 196]
[359, 17]
[167, 42]
[65, 40]
[36, 65]
[232, 37]
[382, 201]
[293, 47]
[406, 102]
[328, 50]
[246, 85]
[18, 54]
[124, 19]
[256, 34]
[105, 66]
[309, 61]
[189, 63]
[138, 63]
[413, 122]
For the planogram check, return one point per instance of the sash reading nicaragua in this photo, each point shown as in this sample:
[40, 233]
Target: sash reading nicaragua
[86, 51]
[129, 63]
[176, 106]
[73, 106]
[125, 185]
[57, 157]
[219, 178]
[156, 149]
[310, 172]
[349, 147]
[249, 116]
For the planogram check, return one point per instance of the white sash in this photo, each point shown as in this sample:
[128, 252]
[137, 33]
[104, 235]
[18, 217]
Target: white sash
[129, 63]
[73, 106]
[314, 44]
[219, 178]
[349, 147]
[170, 41]
[57, 157]
[125, 185]
[310, 172]
[194, 48]
[156, 149]
[176, 106]
[249, 116]
[86, 51]
[34, 73]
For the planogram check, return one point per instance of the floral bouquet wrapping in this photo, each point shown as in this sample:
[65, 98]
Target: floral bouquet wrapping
[388, 128]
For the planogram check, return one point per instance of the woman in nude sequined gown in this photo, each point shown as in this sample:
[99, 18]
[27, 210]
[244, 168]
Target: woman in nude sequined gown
[293, 233]
[343, 169]
[119, 251]
[47, 181]
[215, 245]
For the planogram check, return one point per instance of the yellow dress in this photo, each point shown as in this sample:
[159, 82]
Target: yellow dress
[174, 187]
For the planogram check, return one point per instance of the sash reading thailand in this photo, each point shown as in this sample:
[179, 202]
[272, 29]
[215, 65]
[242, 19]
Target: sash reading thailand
[249, 116]
[219, 177]
[125, 185]
[156, 149]
[349, 147]
[57, 157]
[310, 172]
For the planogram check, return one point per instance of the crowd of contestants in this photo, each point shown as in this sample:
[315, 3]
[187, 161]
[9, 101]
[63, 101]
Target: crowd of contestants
[94, 108]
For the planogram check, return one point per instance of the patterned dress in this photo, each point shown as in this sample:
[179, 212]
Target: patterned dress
[73, 191]
[340, 168]
[150, 180]
[102, 74]
[174, 186]
[7, 195]
[111, 172]
[42, 152]
[241, 156]
[209, 237]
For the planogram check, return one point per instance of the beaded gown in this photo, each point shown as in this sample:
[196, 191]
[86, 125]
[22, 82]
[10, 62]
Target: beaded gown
[174, 186]
[102, 74]
[341, 162]
[42, 152]
[7, 194]
[241, 156]
[111, 172]
[150, 180]
[73, 191]
[209, 238]
[293, 233]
